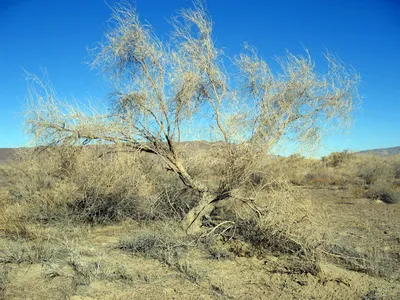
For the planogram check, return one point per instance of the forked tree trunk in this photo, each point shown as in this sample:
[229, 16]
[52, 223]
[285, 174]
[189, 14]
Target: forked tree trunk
[192, 221]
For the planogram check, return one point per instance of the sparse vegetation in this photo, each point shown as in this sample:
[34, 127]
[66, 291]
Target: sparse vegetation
[281, 226]
[161, 246]
[3, 280]
[369, 176]
[159, 88]
[119, 199]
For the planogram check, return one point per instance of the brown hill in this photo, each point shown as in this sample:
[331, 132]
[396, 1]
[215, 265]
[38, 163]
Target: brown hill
[382, 151]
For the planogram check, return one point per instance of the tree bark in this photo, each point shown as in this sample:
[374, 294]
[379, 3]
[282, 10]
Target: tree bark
[192, 221]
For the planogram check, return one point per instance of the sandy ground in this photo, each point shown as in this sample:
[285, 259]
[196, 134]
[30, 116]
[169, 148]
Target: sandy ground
[359, 230]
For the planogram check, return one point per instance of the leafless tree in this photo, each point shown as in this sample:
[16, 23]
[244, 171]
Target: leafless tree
[160, 86]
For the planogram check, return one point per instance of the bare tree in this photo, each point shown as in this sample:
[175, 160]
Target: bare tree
[160, 86]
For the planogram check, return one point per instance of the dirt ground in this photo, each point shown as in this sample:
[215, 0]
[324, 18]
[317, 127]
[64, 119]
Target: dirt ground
[363, 262]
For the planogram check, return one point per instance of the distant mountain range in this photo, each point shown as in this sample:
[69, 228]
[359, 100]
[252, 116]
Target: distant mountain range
[382, 151]
[8, 153]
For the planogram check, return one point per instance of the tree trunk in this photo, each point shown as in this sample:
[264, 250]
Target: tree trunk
[192, 221]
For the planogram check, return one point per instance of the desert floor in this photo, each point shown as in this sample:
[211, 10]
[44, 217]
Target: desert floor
[83, 262]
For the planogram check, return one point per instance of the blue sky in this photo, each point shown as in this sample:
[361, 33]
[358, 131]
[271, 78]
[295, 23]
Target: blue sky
[54, 35]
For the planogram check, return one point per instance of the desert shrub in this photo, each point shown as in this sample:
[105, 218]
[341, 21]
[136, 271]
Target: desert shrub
[296, 168]
[356, 172]
[32, 173]
[357, 187]
[86, 271]
[382, 190]
[373, 261]
[396, 166]
[163, 246]
[4, 271]
[105, 184]
[36, 189]
[12, 224]
[319, 178]
[109, 187]
[369, 172]
[95, 207]
[371, 168]
[168, 245]
[219, 253]
[373, 176]
[214, 247]
[371, 295]
[31, 252]
[295, 265]
[189, 271]
[335, 159]
[266, 238]
[100, 184]
[174, 202]
[281, 219]
[303, 171]
[130, 185]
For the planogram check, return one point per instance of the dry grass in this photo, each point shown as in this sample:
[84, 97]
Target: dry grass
[52, 199]
[86, 185]
[164, 246]
[65, 185]
[3, 280]
[371, 176]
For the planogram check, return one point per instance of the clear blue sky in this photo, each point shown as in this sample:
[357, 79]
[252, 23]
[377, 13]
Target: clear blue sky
[55, 34]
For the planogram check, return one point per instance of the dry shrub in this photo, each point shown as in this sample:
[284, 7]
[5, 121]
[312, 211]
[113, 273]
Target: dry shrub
[4, 272]
[382, 190]
[164, 245]
[374, 177]
[396, 169]
[290, 222]
[320, 178]
[219, 166]
[366, 175]
[218, 253]
[336, 159]
[372, 261]
[281, 218]
[85, 271]
[297, 168]
[12, 222]
[36, 251]
[31, 193]
[370, 169]
[94, 184]
[215, 247]
[263, 207]
[88, 184]
[36, 185]
[303, 171]
[318, 174]
[173, 201]
[99, 184]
